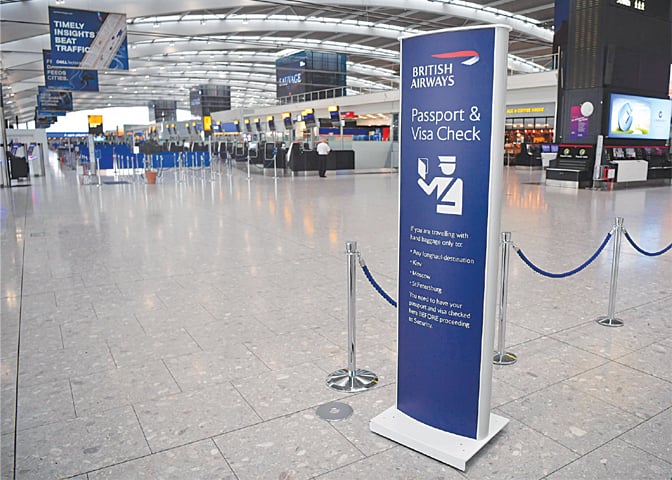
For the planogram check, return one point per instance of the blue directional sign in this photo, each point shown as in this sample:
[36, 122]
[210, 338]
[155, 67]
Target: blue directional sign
[453, 85]
[59, 78]
[88, 40]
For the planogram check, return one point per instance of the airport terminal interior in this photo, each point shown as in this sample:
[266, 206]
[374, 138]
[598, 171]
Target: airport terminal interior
[175, 288]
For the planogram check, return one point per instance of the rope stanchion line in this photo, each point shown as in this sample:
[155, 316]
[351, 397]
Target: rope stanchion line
[641, 250]
[568, 273]
[375, 284]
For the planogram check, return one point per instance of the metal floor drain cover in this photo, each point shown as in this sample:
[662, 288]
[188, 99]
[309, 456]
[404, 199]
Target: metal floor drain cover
[334, 411]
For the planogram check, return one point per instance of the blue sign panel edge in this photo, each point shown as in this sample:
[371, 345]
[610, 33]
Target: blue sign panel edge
[493, 221]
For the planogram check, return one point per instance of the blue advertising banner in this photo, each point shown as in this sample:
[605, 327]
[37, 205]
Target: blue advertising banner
[451, 129]
[53, 100]
[59, 78]
[88, 40]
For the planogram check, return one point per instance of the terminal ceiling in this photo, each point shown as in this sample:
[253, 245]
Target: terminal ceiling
[178, 44]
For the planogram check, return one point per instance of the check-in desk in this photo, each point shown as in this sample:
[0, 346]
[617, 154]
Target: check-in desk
[336, 160]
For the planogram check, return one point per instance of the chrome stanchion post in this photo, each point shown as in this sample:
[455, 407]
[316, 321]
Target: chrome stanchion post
[610, 320]
[248, 164]
[275, 162]
[350, 379]
[502, 357]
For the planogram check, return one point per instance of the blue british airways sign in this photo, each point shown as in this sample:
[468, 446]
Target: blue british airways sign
[452, 123]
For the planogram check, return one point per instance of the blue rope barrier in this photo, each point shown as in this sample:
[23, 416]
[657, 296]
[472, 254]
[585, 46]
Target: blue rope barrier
[644, 252]
[570, 272]
[375, 285]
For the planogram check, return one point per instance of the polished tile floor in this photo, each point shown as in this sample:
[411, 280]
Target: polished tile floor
[184, 331]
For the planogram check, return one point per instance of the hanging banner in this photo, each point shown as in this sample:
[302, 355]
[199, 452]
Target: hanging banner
[88, 40]
[53, 100]
[452, 126]
[60, 78]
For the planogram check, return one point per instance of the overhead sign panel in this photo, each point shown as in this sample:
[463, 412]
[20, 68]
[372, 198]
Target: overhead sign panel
[53, 100]
[59, 78]
[88, 40]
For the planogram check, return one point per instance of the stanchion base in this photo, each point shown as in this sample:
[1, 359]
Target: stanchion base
[334, 411]
[346, 381]
[610, 322]
[506, 358]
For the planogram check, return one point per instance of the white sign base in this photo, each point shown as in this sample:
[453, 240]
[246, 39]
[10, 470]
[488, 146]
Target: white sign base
[448, 448]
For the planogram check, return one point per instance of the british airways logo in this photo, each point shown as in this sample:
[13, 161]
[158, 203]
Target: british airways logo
[473, 56]
[441, 74]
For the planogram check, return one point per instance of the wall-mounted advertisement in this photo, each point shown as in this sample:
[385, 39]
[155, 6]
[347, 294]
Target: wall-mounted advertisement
[639, 118]
[87, 39]
[290, 72]
[59, 78]
[53, 100]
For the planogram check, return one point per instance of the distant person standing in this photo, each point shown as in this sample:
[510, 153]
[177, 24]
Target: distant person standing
[323, 150]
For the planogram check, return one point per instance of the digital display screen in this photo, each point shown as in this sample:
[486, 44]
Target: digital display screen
[290, 72]
[288, 122]
[271, 125]
[309, 118]
[96, 124]
[639, 118]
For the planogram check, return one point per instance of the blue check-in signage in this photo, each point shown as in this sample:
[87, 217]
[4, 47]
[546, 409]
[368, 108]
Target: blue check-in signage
[87, 39]
[53, 101]
[452, 112]
[59, 78]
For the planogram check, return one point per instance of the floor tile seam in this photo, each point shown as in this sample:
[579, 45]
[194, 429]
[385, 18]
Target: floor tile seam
[637, 446]
[574, 452]
[585, 349]
[181, 390]
[246, 346]
[184, 329]
[72, 397]
[639, 370]
[151, 454]
[254, 410]
[18, 351]
[592, 451]
[235, 475]
[137, 419]
[598, 401]
[650, 302]
[547, 334]
[109, 351]
[340, 434]
[553, 384]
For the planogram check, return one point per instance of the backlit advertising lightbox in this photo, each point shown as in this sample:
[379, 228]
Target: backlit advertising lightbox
[639, 118]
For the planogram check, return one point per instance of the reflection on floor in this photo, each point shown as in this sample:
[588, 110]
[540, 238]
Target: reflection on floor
[184, 330]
